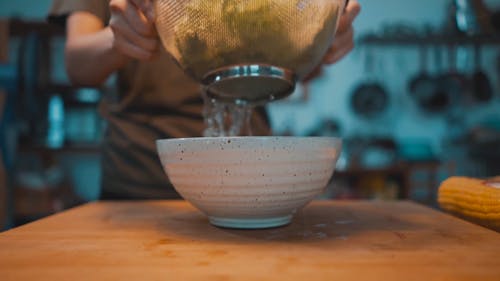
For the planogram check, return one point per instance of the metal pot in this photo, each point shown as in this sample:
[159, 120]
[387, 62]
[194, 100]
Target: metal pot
[433, 95]
[454, 83]
[423, 85]
[369, 99]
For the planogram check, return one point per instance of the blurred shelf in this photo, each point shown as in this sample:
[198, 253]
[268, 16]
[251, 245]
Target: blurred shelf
[354, 171]
[400, 173]
[434, 39]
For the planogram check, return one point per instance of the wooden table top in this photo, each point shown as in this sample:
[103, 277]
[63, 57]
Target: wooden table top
[328, 240]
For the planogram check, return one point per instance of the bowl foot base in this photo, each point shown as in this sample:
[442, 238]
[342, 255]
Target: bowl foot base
[250, 223]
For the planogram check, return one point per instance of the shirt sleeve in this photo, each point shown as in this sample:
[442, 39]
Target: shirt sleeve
[61, 9]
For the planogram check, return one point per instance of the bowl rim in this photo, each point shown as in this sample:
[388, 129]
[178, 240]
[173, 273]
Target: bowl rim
[337, 140]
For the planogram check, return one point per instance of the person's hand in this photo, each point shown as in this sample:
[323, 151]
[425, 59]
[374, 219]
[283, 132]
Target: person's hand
[132, 24]
[344, 39]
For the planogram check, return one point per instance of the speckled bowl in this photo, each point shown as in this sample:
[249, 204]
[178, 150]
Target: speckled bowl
[249, 182]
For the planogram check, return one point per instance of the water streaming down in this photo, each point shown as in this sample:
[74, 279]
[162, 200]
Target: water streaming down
[227, 118]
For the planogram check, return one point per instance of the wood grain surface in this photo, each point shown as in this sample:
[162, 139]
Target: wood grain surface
[328, 240]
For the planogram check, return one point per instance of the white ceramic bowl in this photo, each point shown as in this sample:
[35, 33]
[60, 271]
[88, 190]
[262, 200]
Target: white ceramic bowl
[249, 182]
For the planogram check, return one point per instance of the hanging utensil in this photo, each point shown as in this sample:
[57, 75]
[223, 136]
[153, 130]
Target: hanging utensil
[455, 82]
[435, 99]
[423, 84]
[370, 99]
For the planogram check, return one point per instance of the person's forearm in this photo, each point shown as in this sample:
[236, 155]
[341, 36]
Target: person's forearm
[91, 59]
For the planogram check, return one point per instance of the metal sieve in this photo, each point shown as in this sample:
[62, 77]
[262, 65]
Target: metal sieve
[247, 50]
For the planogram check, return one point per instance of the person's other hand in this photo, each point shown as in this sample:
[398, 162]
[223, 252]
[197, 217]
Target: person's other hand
[344, 39]
[132, 23]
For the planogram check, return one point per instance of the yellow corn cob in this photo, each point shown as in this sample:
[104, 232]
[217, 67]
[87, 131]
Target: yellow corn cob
[472, 199]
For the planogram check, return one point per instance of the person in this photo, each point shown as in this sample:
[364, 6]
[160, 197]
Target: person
[154, 98]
